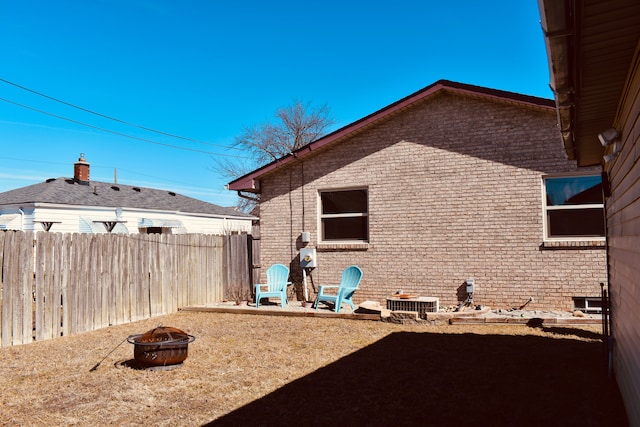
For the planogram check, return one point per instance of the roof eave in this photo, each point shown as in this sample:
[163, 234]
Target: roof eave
[139, 210]
[250, 182]
[557, 34]
[590, 48]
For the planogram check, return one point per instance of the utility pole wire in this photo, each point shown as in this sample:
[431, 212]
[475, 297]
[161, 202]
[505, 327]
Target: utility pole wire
[118, 133]
[113, 118]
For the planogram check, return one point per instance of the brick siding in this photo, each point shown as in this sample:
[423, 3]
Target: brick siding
[455, 192]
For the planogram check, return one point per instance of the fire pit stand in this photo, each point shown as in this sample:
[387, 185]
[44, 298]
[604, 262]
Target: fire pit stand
[163, 346]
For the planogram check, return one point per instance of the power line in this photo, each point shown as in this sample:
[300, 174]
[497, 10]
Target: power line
[33, 161]
[113, 118]
[118, 133]
[134, 172]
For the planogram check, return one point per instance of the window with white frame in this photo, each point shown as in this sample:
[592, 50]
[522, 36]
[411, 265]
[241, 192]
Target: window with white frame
[344, 215]
[574, 207]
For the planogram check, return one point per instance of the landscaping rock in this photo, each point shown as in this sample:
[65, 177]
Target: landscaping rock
[372, 307]
[403, 316]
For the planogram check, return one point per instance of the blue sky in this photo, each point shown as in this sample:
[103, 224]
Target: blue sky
[205, 69]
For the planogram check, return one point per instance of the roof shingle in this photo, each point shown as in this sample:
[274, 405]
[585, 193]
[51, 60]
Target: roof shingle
[66, 191]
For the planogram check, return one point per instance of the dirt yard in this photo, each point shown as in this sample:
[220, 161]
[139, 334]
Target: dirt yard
[263, 370]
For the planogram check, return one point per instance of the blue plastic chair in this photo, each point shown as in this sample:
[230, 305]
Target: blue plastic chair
[351, 277]
[276, 286]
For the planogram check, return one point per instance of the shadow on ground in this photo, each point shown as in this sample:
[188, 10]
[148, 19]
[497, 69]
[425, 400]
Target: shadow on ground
[430, 379]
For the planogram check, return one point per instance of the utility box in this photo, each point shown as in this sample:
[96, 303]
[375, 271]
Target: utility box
[470, 286]
[308, 258]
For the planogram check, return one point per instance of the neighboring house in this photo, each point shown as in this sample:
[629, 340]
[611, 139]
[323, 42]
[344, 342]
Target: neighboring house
[452, 182]
[594, 56]
[78, 205]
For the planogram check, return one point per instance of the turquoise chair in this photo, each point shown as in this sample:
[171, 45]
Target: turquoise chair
[276, 286]
[351, 277]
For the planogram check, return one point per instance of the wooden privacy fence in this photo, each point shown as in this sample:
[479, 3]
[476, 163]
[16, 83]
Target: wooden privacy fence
[57, 284]
[242, 259]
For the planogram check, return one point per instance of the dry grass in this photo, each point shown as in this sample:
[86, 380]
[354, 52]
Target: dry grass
[262, 370]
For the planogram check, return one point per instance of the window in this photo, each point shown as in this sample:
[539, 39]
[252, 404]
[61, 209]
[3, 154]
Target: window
[574, 207]
[345, 215]
[153, 230]
[588, 304]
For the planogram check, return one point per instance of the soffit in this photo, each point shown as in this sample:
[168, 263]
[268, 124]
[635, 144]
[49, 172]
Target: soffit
[590, 44]
[608, 41]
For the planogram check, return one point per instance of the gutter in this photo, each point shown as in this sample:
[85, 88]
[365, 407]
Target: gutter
[559, 23]
[247, 197]
[148, 212]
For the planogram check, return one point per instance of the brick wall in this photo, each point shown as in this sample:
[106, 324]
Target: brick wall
[454, 193]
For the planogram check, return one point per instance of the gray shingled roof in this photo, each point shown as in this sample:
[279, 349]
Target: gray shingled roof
[66, 191]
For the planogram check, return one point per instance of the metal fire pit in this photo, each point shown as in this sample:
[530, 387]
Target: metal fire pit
[161, 346]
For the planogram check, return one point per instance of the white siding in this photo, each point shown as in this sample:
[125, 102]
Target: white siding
[79, 219]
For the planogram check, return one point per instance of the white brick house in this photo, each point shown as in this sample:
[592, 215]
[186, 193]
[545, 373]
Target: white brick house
[446, 184]
[79, 205]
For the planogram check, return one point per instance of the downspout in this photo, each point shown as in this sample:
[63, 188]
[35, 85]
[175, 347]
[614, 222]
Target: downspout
[302, 182]
[244, 196]
[291, 247]
[21, 219]
[608, 340]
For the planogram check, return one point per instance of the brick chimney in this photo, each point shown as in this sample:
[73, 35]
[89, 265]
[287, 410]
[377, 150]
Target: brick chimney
[81, 171]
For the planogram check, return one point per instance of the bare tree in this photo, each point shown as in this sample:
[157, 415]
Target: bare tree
[294, 127]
